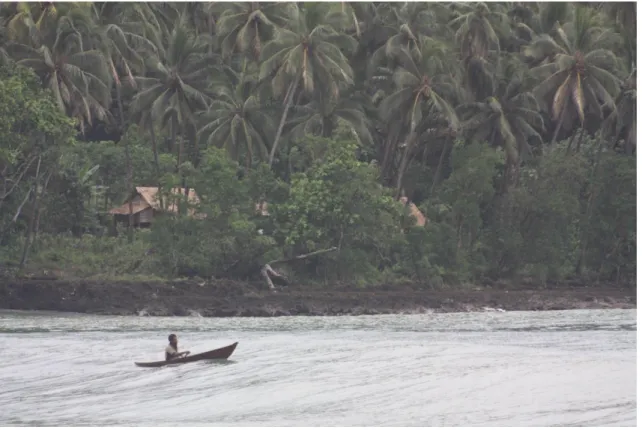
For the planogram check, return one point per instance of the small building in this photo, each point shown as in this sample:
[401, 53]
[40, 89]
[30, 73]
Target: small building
[146, 205]
[414, 211]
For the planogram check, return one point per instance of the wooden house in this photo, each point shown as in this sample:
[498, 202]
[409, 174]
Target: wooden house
[146, 205]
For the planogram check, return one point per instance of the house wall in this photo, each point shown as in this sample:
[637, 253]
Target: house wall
[142, 219]
[124, 219]
[146, 216]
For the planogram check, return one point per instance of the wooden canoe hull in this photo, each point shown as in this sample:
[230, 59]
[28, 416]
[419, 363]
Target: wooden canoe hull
[215, 354]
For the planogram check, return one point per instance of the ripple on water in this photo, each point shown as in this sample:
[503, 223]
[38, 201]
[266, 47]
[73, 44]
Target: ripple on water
[485, 369]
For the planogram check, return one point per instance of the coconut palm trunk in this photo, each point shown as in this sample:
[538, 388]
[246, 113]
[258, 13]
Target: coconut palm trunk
[579, 140]
[437, 174]
[128, 161]
[579, 268]
[560, 120]
[179, 155]
[152, 136]
[404, 162]
[35, 198]
[279, 131]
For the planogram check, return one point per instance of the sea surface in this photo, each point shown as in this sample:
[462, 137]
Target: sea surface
[568, 368]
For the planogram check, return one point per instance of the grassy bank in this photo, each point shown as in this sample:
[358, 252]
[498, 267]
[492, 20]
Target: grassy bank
[109, 275]
[113, 259]
[85, 257]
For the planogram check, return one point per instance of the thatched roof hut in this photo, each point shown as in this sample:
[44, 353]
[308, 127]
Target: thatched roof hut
[146, 204]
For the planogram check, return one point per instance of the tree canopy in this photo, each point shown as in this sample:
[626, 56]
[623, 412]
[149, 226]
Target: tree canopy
[510, 125]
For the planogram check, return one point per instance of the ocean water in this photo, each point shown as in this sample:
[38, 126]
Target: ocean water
[567, 368]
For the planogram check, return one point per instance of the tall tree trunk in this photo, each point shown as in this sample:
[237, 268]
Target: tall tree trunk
[16, 182]
[328, 127]
[385, 162]
[128, 161]
[186, 191]
[152, 135]
[560, 120]
[180, 145]
[579, 140]
[404, 162]
[37, 226]
[5, 229]
[570, 142]
[579, 268]
[629, 148]
[288, 103]
[388, 152]
[510, 176]
[35, 195]
[438, 170]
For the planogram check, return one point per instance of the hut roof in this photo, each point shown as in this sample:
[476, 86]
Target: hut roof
[414, 211]
[149, 198]
[262, 209]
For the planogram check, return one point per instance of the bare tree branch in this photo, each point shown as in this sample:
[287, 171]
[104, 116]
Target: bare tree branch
[15, 217]
[17, 181]
[267, 271]
[303, 256]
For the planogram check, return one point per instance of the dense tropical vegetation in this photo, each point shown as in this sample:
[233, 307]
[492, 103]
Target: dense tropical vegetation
[512, 126]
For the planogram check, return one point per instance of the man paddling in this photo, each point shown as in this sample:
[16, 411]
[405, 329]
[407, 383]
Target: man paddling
[171, 352]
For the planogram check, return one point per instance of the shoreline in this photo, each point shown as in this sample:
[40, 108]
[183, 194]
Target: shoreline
[225, 298]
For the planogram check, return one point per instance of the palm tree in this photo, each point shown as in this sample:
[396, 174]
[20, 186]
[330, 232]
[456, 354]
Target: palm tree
[246, 27]
[361, 17]
[53, 44]
[176, 85]
[405, 26]
[163, 18]
[537, 19]
[479, 27]
[321, 118]
[4, 57]
[200, 17]
[421, 92]
[623, 13]
[622, 122]
[624, 16]
[583, 74]
[508, 118]
[308, 53]
[237, 121]
[367, 22]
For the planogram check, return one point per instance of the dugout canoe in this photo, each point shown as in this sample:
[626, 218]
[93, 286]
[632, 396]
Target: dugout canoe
[215, 354]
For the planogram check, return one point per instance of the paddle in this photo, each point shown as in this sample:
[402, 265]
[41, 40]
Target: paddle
[180, 355]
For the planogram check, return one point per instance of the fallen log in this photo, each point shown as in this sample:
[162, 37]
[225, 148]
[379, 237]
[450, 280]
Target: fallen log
[268, 272]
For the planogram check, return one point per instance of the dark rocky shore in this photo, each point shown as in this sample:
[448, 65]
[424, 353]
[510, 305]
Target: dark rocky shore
[230, 298]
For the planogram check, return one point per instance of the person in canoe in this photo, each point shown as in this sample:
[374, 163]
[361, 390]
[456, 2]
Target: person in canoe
[171, 352]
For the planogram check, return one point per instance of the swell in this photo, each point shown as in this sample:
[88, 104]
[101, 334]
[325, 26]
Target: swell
[324, 378]
[552, 328]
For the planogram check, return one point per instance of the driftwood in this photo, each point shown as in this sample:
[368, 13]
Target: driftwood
[268, 272]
